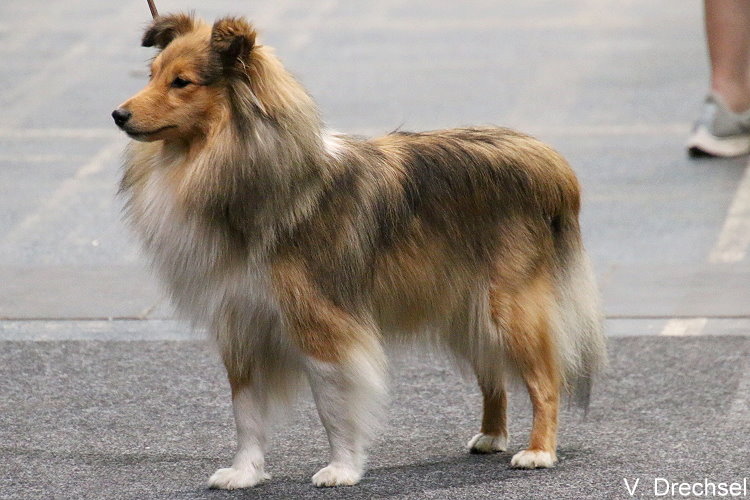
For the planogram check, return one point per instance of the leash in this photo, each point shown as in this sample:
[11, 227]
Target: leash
[152, 8]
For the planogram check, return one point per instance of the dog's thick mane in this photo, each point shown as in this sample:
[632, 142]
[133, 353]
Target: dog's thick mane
[266, 151]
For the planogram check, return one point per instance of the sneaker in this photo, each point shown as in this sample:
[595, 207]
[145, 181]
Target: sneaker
[719, 131]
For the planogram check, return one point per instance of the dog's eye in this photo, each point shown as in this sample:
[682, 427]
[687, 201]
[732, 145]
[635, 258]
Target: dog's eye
[180, 83]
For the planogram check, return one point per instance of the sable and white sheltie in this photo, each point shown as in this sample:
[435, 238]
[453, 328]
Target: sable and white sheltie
[302, 251]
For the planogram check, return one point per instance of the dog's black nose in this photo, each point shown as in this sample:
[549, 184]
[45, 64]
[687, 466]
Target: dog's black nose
[121, 116]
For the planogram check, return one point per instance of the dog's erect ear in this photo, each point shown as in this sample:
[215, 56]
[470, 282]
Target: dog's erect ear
[164, 29]
[232, 38]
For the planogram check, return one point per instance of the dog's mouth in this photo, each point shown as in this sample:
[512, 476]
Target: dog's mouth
[144, 134]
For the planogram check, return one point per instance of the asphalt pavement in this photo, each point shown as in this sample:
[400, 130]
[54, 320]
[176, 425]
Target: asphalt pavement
[104, 395]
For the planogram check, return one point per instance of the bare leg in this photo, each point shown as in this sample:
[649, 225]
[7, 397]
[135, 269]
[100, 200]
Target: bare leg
[250, 406]
[728, 34]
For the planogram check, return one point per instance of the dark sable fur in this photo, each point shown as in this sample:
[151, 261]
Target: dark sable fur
[164, 29]
[441, 191]
[233, 41]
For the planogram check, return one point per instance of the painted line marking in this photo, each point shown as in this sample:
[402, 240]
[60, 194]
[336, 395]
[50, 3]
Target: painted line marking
[61, 133]
[99, 329]
[64, 190]
[740, 409]
[43, 158]
[141, 327]
[734, 238]
[684, 327]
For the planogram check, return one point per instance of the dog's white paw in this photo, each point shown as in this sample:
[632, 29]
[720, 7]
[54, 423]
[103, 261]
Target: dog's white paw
[232, 479]
[484, 443]
[533, 459]
[337, 475]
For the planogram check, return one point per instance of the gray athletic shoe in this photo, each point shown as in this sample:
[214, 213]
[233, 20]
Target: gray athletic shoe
[719, 131]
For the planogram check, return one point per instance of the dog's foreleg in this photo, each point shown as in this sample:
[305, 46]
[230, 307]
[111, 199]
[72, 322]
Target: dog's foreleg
[349, 397]
[250, 406]
[344, 362]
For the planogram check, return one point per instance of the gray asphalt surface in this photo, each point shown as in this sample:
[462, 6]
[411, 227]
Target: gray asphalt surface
[134, 419]
[104, 395]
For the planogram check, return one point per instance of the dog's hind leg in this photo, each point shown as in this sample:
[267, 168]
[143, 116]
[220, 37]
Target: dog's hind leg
[529, 346]
[543, 386]
[493, 435]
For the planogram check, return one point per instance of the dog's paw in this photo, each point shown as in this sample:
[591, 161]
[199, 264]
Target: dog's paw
[484, 443]
[533, 459]
[232, 479]
[337, 475]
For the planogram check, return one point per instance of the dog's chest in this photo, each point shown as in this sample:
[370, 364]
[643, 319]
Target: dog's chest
[204, 272]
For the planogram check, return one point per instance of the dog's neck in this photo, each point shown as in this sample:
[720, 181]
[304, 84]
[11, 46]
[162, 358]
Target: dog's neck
[258, 180]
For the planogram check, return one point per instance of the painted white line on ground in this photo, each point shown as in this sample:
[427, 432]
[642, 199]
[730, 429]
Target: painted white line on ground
[19, 99]
[99, 329]
[615, 129]
[64, 191]
[141, 327]
[739, 412]
[43, 158]
[734, 238]
[587, 19]
[62, 133]
[681, 327]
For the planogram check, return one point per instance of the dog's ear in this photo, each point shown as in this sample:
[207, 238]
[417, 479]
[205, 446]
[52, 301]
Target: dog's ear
[232, 39]
[164, 29]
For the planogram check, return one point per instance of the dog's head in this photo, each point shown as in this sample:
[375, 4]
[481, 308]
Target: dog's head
[186, 92]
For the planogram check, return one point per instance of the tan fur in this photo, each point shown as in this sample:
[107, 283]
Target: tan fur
[530, 345]
[303, 250]
[318, 327]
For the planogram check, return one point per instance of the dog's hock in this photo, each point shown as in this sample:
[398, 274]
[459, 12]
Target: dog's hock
[233, 39]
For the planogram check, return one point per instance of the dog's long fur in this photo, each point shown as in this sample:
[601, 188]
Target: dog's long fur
[303, 251]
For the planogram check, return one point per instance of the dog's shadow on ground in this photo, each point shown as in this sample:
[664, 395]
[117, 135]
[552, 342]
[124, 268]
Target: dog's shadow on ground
[383, 482]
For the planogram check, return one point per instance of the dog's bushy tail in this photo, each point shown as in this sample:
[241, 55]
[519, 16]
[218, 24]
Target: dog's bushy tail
[578, 320]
